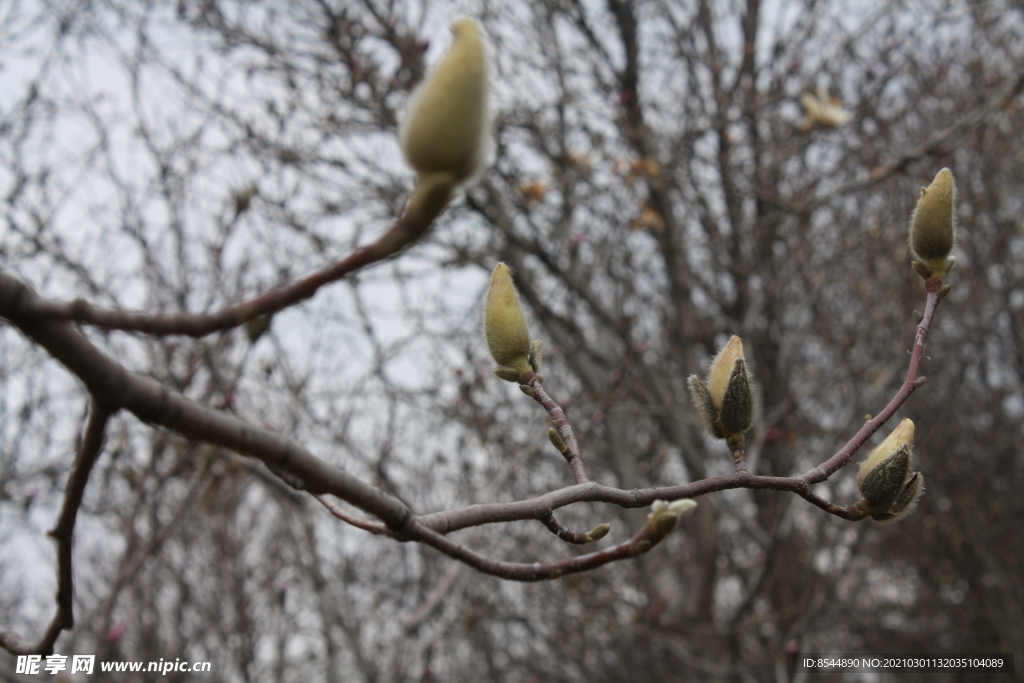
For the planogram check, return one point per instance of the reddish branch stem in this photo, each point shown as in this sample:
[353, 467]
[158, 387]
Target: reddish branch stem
[564, 533]
[562, 426]
[845, 454]
[374, 527]
[407, 230]
[535, 571]
[114, 388]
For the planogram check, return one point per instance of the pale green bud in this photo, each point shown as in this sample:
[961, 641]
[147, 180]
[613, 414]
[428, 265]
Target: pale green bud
[556, 440]
[536, 355]
[933, 225]
[445, 130]
[664, 518]
[508, 338]
[701, 397]
[257, 327]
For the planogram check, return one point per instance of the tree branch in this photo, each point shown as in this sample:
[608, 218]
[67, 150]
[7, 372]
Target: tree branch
[113, 387]
[563, 532]
[354, 520]
[406, 231]
[63, 533]
[562, 426]
[842, 458]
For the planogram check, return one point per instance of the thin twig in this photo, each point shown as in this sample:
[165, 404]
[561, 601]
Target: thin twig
[561, 424]
[412, 620]
[564, 533]
[344, 515]
[63, 533]
[114, 387]
[878, 175]
[535, 571]
[407, 230]
[845, 454]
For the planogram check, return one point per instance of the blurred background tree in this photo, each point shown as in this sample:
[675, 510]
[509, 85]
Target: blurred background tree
[666, 174]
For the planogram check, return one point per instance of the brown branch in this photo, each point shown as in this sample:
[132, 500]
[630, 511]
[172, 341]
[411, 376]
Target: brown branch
[641, 543]
[564, 533]
[114, 387]
[407, 230]
[561, 424]
[63, 533]
[535, 508]
[344, 515]
[843, 457]
[476, 515]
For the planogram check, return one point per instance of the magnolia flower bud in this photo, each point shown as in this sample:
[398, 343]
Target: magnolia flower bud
[508, 338]
[933, 225]
[445, 130]
[903, 435]
[662, 520]
[906, 502]
[889, 487]
[725, 402]
[882, 484]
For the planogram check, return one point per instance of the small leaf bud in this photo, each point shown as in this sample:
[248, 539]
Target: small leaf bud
[598, 532]
[933, 225]
[705, 407]
[683, 506]
[664, 518]
[505, 327]
[556, 440]
[507, 374]
[526, 390]
[257, 327]
[641, 547]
